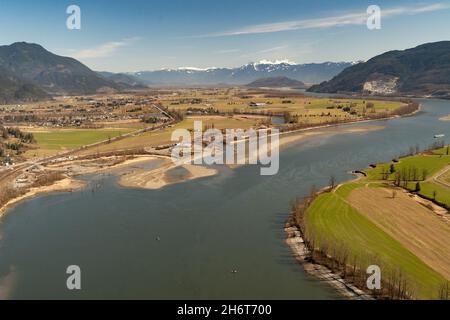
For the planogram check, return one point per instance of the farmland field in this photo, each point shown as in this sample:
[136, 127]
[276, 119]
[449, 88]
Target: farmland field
[152, 139]
[54, 140]
[332, 218]
[381, 222]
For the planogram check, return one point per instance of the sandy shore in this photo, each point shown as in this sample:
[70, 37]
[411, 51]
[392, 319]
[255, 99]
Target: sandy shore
[289, 138]
[158, 178]
[65, 185]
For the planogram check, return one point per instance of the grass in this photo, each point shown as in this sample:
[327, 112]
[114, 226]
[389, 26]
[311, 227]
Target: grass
[427, 189]
[432, 163]
[442, 151]
[70, 139]
[52, 141]
[345, 189]
[332, 217]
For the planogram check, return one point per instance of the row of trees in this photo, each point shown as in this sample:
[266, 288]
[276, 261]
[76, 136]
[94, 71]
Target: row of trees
[6, 133]
[405, 175]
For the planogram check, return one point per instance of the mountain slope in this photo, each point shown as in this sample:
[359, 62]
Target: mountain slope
[276, 82]
[423, 70]
[123, 80]
[13, 89]
[55, 74]
[308, 73]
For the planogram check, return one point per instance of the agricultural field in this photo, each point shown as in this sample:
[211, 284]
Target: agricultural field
[164, 137]
[428, 171]
[67, 123]
[332, 218]
[307, 109]
[431, 163]
[52, 141]
[377, 219]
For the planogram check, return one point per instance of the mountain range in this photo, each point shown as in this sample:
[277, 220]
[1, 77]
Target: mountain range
[308, 73]
[30, 72]
[420, 71]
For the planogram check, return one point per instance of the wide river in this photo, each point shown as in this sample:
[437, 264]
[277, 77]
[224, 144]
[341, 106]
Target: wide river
[184, 241]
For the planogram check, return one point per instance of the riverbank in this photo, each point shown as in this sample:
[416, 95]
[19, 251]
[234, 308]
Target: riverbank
[303, 255]
[380, 219]
[65, 185]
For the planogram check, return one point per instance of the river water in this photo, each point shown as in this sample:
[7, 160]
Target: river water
[184, 241]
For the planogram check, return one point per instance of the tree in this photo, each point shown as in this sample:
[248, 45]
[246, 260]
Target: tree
[444, 291]
[313, 191]
[418, 187]
[415, 173]
[332, 182]
[397, 179]
[424, 174]
[392, 169]
[370, 105]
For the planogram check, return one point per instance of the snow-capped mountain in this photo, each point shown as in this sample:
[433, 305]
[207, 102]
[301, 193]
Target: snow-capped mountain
[307, 73]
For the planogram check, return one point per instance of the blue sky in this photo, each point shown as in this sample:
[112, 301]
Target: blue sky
[137, 35]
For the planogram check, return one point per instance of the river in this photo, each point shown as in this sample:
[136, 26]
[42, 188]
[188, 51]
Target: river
[184, 241]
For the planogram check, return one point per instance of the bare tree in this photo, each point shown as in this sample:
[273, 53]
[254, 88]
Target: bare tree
[332, 182]
[444, 291]
[424, 174]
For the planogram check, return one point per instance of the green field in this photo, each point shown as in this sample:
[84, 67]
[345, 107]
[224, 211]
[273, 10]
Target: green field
[432, 163]
[380, 105]
[331, 217]
[427, 189]
[69, 139]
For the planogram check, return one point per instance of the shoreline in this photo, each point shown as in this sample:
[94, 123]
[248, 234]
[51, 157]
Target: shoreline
[68, 184]
[302, 255]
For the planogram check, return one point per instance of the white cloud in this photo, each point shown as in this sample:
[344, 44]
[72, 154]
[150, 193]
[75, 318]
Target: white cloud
[104, 50]
[225, 51]
[264, 51]
[353, 18]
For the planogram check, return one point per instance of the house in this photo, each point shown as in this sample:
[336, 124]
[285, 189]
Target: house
[256, 104]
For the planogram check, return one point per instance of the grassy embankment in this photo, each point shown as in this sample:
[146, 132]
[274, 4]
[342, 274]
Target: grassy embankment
[373, 222]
